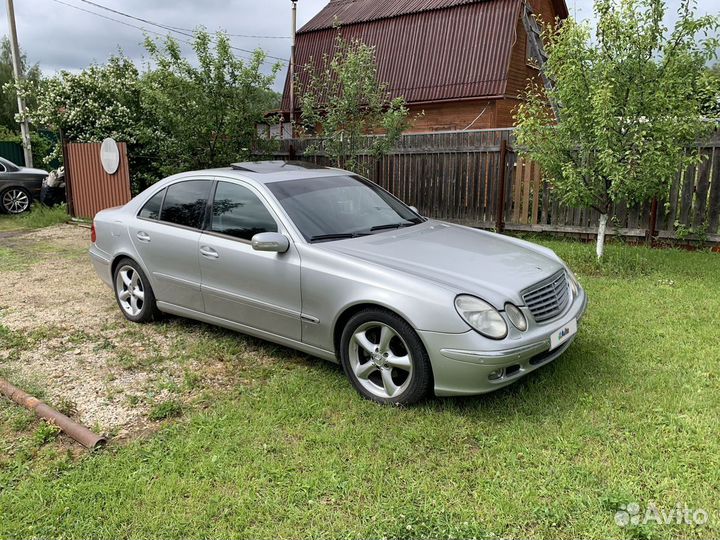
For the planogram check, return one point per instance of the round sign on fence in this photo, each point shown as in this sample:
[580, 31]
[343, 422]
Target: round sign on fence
[110, 155]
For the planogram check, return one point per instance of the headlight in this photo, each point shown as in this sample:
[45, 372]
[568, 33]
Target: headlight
[516, 316]
[481, 316]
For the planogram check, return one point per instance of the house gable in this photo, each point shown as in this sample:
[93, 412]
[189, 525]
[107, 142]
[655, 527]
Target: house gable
[459, 52]
[430, 51]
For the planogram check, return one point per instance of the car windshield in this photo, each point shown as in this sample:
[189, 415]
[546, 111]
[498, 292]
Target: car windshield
[336, 207]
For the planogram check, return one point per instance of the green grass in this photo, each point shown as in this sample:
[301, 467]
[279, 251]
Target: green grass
[39, 216]
[167, 409]
[629, 414]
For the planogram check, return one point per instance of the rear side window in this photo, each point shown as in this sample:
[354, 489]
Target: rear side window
[238, 212]
[151, 210]
[185, 203]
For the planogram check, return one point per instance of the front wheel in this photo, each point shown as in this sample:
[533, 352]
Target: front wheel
[384, 358]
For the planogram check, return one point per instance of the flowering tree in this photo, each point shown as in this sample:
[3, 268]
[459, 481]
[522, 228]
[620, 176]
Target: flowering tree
[178, 114]
[628, 102]
[100, 101]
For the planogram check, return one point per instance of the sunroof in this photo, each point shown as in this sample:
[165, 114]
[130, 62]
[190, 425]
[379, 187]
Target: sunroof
[275, 166]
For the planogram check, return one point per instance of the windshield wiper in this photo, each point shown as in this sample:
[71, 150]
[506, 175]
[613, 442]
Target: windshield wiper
[413, 221]
[336, 236]
[387, 226]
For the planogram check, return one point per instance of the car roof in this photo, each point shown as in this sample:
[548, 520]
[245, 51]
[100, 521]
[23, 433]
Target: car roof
[267, 172]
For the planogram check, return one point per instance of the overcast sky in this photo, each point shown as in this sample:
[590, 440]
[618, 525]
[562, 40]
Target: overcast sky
[60, 37]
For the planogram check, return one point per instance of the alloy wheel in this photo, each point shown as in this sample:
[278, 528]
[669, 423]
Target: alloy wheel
[130, 290]
[380, 359]
[15, 201]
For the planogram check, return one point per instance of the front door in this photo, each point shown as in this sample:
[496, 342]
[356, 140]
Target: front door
[257, 289]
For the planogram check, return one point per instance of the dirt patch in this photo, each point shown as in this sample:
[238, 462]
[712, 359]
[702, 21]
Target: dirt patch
[72, 341]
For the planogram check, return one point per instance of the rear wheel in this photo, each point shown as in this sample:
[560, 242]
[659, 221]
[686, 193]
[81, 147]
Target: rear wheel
[133, 292]
[15, 200]
[384, 358]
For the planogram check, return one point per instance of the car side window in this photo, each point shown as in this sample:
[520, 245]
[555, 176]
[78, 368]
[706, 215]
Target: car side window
[151, 210]
[2, 167]
[185, 203]
[238, 212]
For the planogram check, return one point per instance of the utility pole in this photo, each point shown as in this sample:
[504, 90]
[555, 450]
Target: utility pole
[17, 71]
[292, 68]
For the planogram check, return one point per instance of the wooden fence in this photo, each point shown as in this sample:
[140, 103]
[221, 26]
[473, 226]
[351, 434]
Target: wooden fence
[476, 178]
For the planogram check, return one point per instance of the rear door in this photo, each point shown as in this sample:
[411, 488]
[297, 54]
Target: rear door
[257, 289]
[167, 235]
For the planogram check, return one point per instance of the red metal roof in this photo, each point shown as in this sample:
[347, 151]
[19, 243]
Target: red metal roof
[346, 12]
[426, 50]
[354, 11]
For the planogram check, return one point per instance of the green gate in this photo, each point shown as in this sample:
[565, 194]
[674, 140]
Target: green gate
[12, 151]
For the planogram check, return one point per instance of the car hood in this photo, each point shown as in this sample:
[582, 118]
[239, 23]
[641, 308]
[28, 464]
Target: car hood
[492, 266]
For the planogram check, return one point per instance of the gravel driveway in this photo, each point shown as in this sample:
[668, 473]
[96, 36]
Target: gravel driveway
[70, 340]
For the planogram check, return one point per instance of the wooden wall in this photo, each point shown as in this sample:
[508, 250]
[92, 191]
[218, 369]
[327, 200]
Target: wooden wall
[452, 116]
[496, 113]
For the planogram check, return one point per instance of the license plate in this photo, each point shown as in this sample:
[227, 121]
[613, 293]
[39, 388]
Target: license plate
[560, 336]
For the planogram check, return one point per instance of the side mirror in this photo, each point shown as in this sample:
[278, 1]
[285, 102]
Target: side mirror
[414, 210]
[270, 241]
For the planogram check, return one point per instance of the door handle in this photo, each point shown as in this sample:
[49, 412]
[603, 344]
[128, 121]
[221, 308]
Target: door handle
[143, 236]
[210, 253]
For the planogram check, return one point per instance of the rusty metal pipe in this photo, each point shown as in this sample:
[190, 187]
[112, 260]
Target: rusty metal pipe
[72, 429]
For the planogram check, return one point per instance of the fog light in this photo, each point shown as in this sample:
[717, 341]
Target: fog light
[516, 317]
[574, 285]
[497, 374]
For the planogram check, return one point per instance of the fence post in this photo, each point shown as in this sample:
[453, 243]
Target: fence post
[66, 168]
[500, 210]
[652, 226]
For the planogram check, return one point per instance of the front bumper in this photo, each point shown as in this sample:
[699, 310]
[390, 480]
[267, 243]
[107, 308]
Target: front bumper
[462, 362]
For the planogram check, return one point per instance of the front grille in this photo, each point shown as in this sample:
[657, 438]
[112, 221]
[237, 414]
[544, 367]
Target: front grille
[548, 299]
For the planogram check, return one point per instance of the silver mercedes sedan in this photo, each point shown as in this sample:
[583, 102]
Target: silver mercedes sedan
[326, 262]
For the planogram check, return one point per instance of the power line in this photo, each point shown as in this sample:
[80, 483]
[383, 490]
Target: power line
[259, 37]
[124, 23]
[184, 32]
[232, 35]
[116, 20]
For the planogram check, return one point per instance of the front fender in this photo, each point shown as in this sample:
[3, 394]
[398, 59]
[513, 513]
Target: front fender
[332, 284]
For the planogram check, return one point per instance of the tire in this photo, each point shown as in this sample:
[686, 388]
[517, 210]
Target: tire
[384, 359]
[15, 200]
[133, 292]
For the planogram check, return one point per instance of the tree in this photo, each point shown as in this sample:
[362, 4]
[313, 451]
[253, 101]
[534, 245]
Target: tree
[8, 95]
[175, 116]
[345, 100]
[206, 110]
[628, 102]
[709, 92]
[101, 101]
